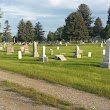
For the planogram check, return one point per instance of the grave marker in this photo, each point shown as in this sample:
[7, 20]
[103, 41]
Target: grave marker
[19, 54]
[106, 60]
[51, 51]
[10, 50]
[35, 52]
[43, 57]
[89, 54]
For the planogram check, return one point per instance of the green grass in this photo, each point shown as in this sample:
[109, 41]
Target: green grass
[39, 98]
[83, 74]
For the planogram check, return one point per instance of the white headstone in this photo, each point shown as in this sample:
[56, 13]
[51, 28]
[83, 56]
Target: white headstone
[106, 61]
[57, 47]
[51, 51]
[103, 52]
[43, 57]
[43, 51]
[60, 42]
[89, 54]
[101, 45]
[19, 55]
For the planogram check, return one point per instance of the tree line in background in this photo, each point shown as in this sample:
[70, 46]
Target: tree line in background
[79, 25]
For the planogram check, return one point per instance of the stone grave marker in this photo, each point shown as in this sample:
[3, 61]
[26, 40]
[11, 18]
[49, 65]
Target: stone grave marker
[43, 57]
[35, 52]
[60, 42]
[10, 50]
[26, 49]
[89, 54]
[78, 52]
[101, 45]
[22, 49]
[57, 47]
[1, 48]
[19, 54]
[51, 51]
[60, 57]
[103, 52]
[106, 60]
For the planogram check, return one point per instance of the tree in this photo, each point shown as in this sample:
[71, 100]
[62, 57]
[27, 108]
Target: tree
[64, 33]
[97, 29]
[1, 13]
[25, 31]
[75, 27]
[50, 36]
[39, 33]
[21, 31]
[85, 12]
[7, 34]
[58, 33]
[107, 28]
[108, 21]
[29, 32]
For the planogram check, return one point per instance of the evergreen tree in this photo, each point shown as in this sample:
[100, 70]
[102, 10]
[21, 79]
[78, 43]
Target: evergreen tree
[97, 27]
[108, 21]
[21, 31]
[85, 12]
[107, 28]
[50, 36]
[1, 13]
[7, 34]
[64, 34]
[75, 27]
[25, 31]
[58, 33]
[29, 31]
[39, 33]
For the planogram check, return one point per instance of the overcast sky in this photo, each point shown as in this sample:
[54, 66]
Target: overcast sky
[50, 13]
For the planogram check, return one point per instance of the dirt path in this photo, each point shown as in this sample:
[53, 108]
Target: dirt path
[75, 96]
[13, 101]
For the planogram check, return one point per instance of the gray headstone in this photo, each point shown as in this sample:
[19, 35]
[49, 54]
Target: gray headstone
[35, 52]
[106, 60]
[60, 57]
[78, 52]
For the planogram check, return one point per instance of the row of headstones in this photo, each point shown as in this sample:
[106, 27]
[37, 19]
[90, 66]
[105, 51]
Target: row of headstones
[78, 52]
[43, 58]
[25, 49]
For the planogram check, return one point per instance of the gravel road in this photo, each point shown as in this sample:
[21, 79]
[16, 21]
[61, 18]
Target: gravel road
[77, 97]
[13, 101]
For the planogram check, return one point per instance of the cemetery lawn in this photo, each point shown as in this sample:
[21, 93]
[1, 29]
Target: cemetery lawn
[83, 74]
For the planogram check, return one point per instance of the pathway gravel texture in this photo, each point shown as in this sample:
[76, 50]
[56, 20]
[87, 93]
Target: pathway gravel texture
[77, 97]
[14, 101]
